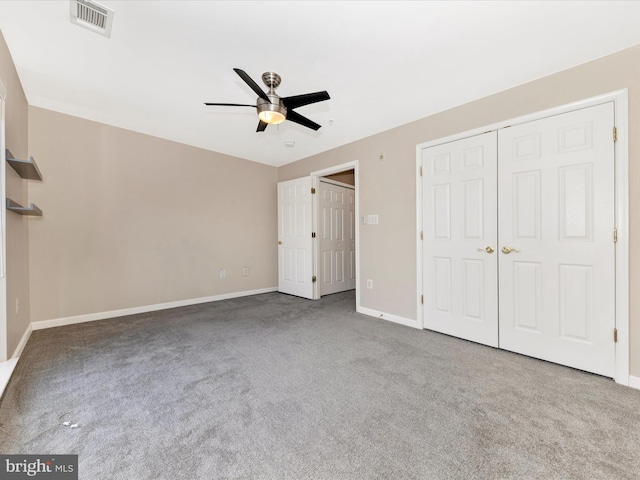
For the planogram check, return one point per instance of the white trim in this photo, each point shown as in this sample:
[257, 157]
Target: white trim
[7, 367]
[90, 317]
[4, 342]
[6, 370]
[634, 382]
[621, 148]
[620, 101]
[419, 228]
[407, 322]
[335, 182]
[315, 183]
[617, 96]
[23, 342]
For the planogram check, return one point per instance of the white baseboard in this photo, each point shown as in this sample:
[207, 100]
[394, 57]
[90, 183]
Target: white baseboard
[22, 343]
[387, 316]
[6, 370]
[90, 317]
[7, 367]
[634, 382]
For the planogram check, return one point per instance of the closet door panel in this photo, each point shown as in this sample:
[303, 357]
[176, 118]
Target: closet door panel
[556, 219]
[460, 238]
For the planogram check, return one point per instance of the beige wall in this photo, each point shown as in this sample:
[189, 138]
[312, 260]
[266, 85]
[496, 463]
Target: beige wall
[133, 220]
[387, 250]
[17, 253]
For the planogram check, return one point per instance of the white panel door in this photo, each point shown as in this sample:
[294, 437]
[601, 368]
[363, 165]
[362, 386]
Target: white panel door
[295, 260]
[336, 238]
[460, 238]
[556, 214]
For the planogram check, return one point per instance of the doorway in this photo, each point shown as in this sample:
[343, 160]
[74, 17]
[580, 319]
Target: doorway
[336, 234]
[298, 224]
[344, 173]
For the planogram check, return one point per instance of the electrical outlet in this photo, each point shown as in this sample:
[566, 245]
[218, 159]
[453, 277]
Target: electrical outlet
[223, 273]
[245, 271]
[369, 283]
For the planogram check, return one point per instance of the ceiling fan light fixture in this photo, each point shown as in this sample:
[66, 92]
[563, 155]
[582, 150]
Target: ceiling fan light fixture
[272, 118]
[271, 113]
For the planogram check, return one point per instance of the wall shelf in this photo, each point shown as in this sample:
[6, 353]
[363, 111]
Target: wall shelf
[25, 168]
[32, 211]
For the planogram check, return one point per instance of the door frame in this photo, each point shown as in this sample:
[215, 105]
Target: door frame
[4, 333]
[315, 183]
[621, 149]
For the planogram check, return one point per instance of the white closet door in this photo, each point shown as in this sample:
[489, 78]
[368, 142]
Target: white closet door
[335, 239]
[460, 236]
[295, 247]
[556, 214]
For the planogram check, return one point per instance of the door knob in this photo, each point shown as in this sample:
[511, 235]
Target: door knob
[279, 242]
[508, 250]
[488, 249]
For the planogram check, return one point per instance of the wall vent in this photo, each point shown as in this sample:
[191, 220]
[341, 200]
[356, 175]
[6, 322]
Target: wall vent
[92, 15]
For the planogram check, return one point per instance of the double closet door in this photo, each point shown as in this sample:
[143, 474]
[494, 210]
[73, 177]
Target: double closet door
[518, 245]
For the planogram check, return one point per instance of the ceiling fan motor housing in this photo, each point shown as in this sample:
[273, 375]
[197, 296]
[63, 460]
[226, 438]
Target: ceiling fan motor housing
[273, 112]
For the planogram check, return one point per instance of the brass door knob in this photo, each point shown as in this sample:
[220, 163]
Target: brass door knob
[279, 242]
[488, 249]
[508, 250]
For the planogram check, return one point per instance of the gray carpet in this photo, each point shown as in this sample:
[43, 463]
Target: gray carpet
[276, 387]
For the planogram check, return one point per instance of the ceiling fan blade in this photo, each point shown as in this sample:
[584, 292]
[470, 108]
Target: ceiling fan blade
[305, 99]
[254, 86]
[230, 104]
[295, 117]
[262, 126]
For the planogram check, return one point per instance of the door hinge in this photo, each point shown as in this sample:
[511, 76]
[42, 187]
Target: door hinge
[420, 171]
[615, 335]
[313, 279]
[422, 299]
[313, 234]
[615, 134]
[615, 235]
[421, 235]
[313, 190]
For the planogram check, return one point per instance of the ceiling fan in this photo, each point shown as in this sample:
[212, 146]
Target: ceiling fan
[273, 109]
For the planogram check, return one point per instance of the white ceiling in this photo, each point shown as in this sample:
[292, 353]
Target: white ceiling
[383, 63]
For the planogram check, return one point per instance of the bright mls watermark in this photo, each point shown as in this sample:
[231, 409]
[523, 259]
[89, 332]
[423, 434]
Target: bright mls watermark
[50, 467]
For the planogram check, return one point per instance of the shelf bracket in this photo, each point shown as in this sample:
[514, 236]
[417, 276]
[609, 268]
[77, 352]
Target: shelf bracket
[25, 168]
[32, 211]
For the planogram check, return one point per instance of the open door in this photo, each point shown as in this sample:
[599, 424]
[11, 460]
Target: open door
[295, 244]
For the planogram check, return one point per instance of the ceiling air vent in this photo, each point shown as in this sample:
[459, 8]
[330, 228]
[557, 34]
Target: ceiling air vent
[92, 15]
